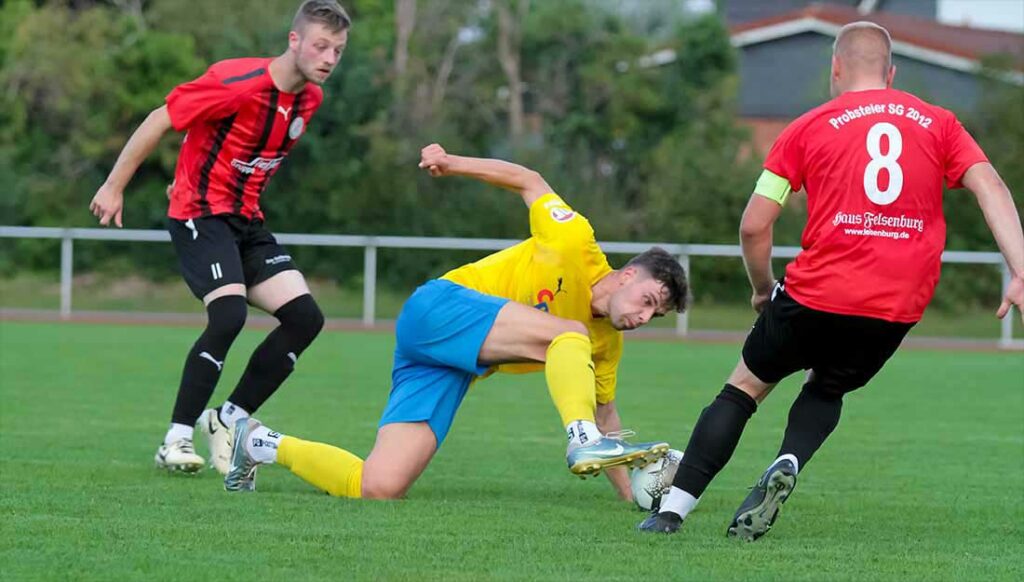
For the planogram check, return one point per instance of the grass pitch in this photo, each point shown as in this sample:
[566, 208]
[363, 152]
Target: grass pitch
[923, 479]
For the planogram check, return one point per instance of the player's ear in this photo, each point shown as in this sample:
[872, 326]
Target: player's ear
[293, 40]
[626, 275]
[889, 78]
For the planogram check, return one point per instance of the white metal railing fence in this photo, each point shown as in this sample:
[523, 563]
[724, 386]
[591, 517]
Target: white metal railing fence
[370, 244]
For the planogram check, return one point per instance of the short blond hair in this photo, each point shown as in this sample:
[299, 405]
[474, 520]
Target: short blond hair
[326, 12]
[864, 45]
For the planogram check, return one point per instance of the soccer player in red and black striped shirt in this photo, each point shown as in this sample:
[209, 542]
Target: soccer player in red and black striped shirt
[872, 161]
[241, 117]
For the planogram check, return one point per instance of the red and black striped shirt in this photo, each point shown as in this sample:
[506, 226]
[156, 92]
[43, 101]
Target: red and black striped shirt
[240, 128]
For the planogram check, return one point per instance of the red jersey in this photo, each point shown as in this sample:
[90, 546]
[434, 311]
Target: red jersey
[240, 128]
[872, 163]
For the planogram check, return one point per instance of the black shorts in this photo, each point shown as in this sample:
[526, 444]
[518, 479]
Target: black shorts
[843, 351]
[214, 251]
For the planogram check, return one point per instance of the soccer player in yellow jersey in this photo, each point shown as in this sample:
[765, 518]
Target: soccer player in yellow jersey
[551, 303]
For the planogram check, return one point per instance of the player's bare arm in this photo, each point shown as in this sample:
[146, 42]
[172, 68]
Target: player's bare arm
[1001, 215]
[108, 203]
[607, 417]
[756, 240]
[526, 182]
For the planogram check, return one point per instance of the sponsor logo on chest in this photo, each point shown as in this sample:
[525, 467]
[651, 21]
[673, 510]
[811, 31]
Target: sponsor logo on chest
[545, 297]
[259, 163]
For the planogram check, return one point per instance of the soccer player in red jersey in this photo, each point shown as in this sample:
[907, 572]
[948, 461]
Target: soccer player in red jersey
[242, 117]
[872, 161]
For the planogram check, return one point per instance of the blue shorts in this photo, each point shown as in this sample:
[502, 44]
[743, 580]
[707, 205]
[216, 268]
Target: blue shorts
[439, 334]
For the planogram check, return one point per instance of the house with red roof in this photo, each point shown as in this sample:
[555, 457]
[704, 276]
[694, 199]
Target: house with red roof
[785, 48]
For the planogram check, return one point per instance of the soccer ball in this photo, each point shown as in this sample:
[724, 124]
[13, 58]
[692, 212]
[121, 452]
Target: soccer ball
[651, 482]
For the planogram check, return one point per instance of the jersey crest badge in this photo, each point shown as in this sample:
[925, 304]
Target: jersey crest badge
[297, 126]
[562, 214]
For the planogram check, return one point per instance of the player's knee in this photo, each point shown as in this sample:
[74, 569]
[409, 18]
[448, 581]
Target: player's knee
[570, 326]
[302, 317]
[226, 317]
[383, 488]
[831, 390]
[564, 330]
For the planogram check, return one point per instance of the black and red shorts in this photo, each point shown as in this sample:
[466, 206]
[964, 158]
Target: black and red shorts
[219, 250]
[843, 351]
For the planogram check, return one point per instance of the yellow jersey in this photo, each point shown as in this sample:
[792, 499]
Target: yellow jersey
[553, 271]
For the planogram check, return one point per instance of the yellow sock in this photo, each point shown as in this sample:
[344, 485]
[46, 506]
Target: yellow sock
[570, 375]
[330, 469]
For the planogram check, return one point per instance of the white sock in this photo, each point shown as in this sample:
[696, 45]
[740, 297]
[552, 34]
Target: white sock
[792, 458]
[679, 502]
[582, 432]
[231, 413]
[178, 432]
[262, 445]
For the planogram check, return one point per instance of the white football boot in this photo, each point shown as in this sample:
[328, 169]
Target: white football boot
[179, 456]
[219, 438]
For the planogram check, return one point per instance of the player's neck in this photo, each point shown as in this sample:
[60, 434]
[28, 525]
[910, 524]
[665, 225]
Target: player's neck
[285, 75]
[864, 85]
[601, 293]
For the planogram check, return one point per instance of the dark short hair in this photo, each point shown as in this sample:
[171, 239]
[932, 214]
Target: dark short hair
[326, 12]
[664, 267]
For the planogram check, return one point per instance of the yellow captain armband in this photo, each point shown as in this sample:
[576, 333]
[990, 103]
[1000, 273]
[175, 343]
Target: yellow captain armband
[773, 187]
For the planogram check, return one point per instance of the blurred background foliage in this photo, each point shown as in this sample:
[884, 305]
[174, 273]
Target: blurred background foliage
[651, 153]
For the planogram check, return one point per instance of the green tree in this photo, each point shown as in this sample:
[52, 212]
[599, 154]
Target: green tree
[74, 83]
[644, 151]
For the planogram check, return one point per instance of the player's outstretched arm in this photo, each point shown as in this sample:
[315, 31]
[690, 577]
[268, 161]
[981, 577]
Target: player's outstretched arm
[526, 182]
[1001, 215]
[108, 202]
[607, 417]
[756, 229]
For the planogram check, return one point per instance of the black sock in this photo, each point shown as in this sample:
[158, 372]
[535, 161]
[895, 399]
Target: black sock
[813, 416]
[225, 319]
[274, 359]
[714, 439]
